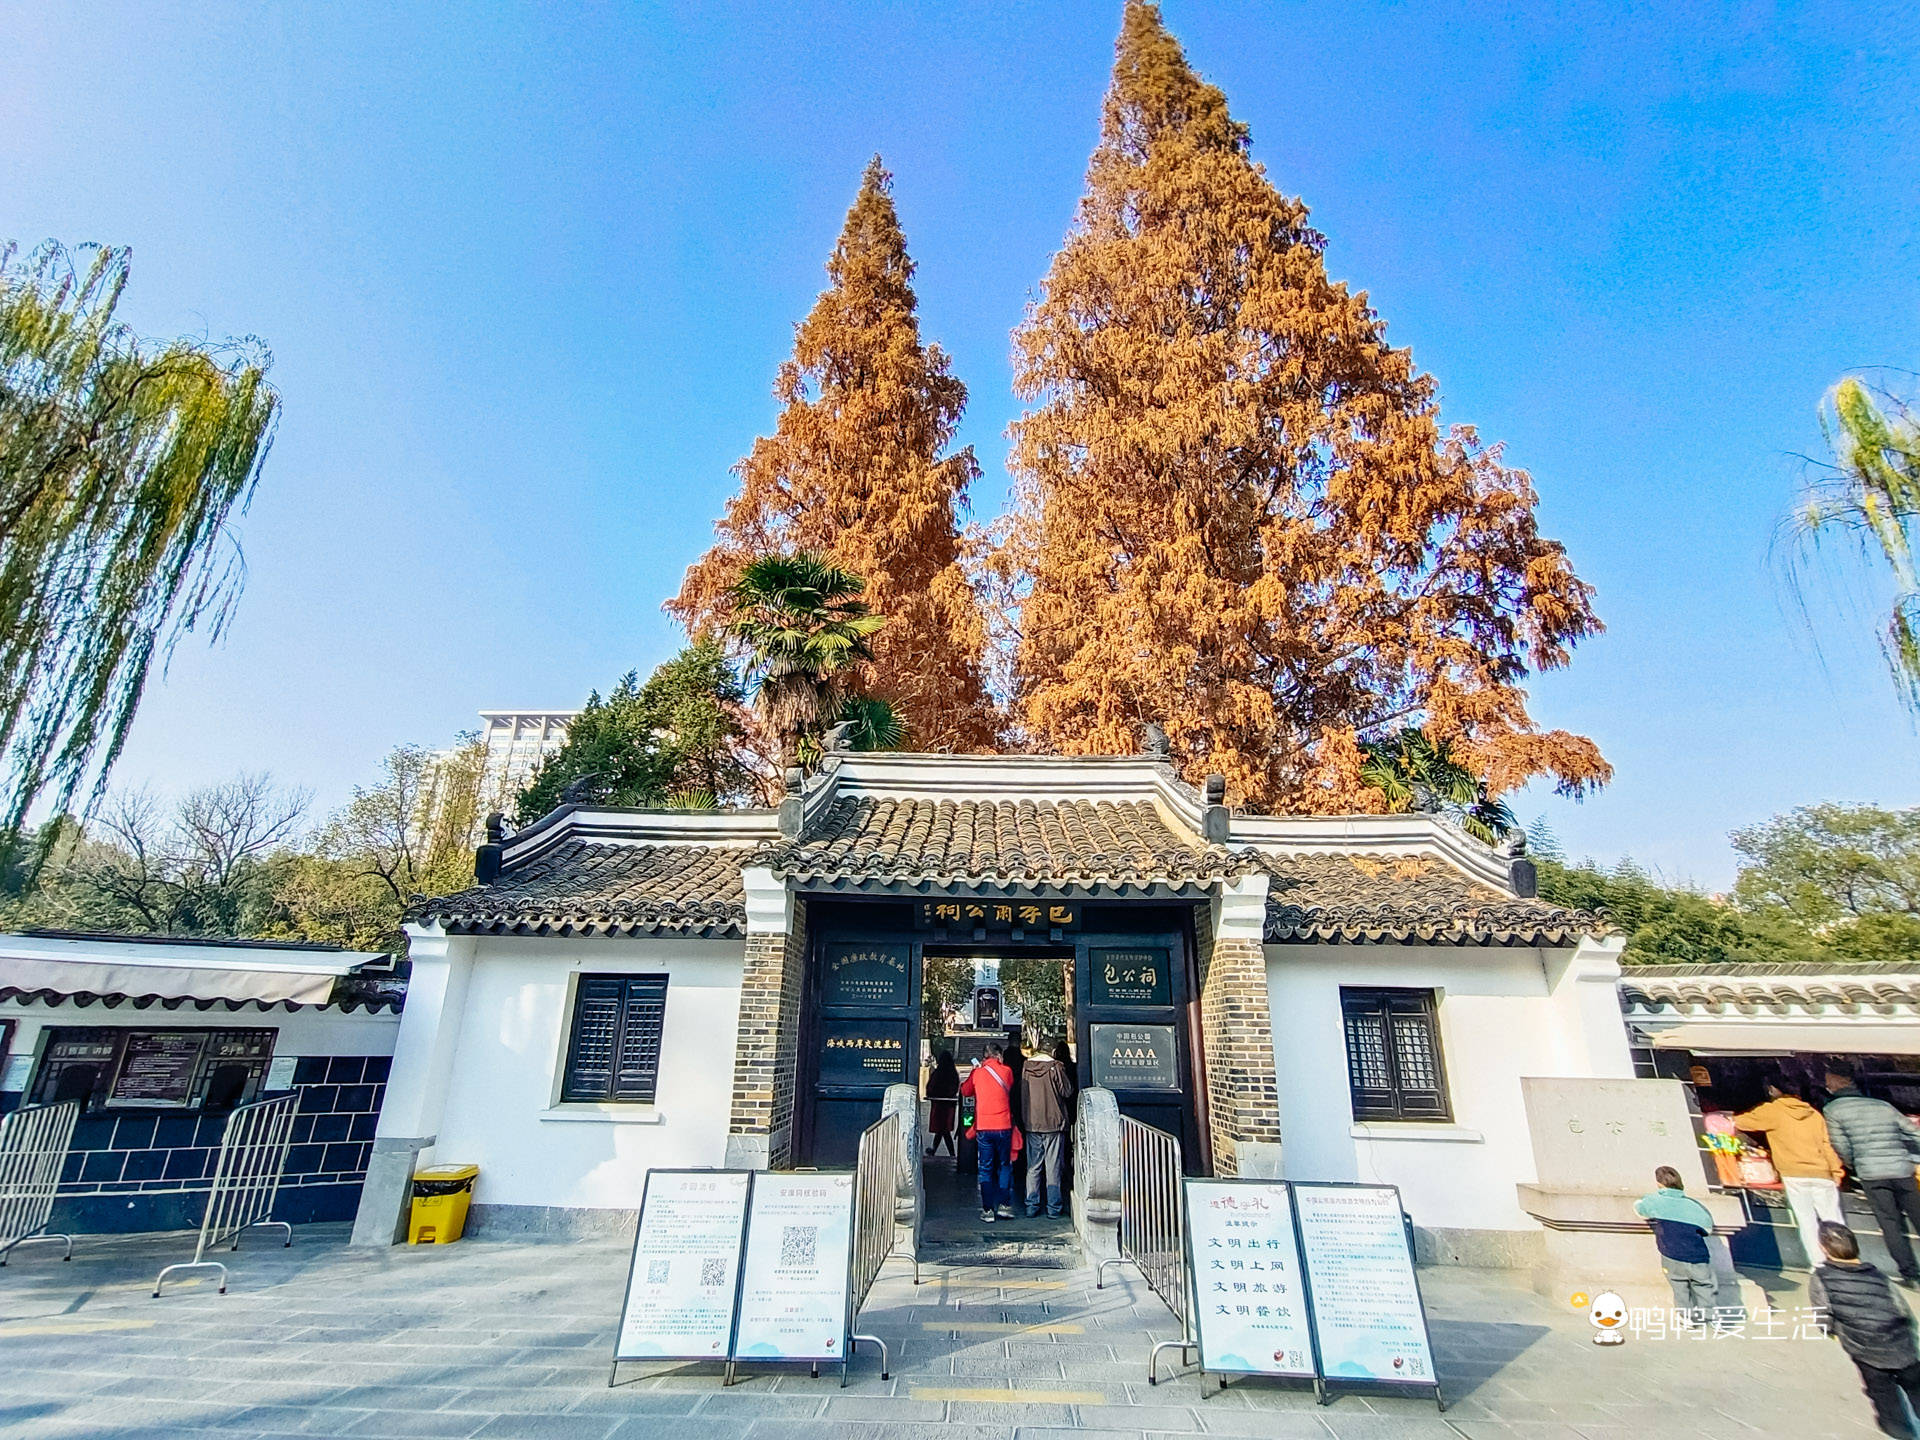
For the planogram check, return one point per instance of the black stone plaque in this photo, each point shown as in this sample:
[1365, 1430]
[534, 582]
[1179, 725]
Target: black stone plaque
[158, 1069]
[1131, 977]
[865, 974]
[1135, 1057]
[863, 1052]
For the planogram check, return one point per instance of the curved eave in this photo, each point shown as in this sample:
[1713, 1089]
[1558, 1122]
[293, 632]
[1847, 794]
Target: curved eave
[87, 998]
[1312, 929]
[1118, 877]
[993, 887]
[588, 923]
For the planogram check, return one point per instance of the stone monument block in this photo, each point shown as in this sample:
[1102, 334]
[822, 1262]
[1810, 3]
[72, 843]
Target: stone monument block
[1596, 1144]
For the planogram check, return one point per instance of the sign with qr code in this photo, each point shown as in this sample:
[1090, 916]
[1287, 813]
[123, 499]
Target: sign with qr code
[1249, 1298]
[686, 1266]
[1367, 1315]
[794, 1280]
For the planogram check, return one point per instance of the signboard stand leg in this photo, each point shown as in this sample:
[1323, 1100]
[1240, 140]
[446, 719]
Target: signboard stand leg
[1153, 1359]
[886, 1366]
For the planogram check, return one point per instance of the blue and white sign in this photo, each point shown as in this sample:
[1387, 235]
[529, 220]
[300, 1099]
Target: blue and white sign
[1249, 1299]
[1367, 1315]
[794, 1287]
[686, 1266]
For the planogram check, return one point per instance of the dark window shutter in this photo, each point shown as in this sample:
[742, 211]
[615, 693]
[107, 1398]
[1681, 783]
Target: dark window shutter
[614, 1051]
[1416, 1057]
[643, 1016]
[1393, 1055]
[1369, 1072]
[596, 1029]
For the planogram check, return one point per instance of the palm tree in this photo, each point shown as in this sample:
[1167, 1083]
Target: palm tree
[804, 627]
[1872, 499]
[1416, 773]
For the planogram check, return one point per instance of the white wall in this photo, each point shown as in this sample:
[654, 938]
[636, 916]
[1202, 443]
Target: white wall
[500, 1110]
[1503, 1014]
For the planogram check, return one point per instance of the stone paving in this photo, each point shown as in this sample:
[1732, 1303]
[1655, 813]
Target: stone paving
[510, 1342]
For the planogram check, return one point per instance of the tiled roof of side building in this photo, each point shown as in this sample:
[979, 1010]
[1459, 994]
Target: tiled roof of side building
[580, 887]
[1877, 987]
[1020, 842]
[1370, 899]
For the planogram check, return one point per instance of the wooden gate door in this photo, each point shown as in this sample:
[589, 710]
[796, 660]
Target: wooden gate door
[863, 1036]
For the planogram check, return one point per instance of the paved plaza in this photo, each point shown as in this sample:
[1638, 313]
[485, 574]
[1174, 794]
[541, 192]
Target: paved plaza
[511, 1340]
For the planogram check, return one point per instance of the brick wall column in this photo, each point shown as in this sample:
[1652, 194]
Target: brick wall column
[765, 1054]
[1236, 1030]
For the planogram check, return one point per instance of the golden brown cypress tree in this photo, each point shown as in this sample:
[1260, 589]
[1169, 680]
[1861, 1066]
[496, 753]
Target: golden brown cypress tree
[855, 472]
[1236, 514]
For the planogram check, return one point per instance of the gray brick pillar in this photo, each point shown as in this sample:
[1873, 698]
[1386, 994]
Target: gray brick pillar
[765, 1055]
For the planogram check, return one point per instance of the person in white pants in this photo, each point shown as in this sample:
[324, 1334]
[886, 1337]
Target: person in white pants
[1810, 1171]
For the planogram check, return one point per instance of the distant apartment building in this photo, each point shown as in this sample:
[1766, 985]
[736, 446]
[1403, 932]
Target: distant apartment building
[517, 741]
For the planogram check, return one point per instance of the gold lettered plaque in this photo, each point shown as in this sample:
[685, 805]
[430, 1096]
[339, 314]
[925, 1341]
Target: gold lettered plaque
[863, 1052]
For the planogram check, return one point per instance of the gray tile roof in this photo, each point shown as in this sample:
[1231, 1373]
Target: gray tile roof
[585, 888]
[1874, 987]
[1414, 899]
[1000, 842]
[588, 886]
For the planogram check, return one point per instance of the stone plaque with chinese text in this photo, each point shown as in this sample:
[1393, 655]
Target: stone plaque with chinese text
[865, 974]
[863, 1052]
[1134, 1057]
[1130, 977]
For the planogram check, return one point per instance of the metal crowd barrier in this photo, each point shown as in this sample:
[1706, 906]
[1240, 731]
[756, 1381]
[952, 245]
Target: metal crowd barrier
[33, 1151]
[876, 1178]
[246, 1177]
[1151, 1226]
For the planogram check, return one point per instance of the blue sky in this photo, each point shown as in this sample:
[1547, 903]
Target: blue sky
[527, 273]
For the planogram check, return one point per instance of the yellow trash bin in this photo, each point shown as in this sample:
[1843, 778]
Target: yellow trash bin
[441, 1194]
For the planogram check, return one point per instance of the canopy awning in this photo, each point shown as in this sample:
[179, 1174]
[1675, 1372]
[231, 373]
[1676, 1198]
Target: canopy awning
[1757, 1037]
[22, 976]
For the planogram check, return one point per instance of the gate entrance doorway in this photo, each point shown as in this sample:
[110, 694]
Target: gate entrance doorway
[892, 985]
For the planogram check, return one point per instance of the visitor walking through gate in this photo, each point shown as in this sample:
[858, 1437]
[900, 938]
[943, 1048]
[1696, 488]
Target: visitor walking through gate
[1046, 1099]
[990, 1086]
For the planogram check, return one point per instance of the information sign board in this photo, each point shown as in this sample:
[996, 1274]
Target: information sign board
[158, 1068]
[794, 1281]
[1130, 977]
[686, 1266]
[1134, 1057]
[865, 974]
[1368, 1321]
[863, 1052]
[1249, 1299]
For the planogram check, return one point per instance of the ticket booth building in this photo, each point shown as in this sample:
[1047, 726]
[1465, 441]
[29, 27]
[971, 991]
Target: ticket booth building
[160, 1038]
[1313, 997]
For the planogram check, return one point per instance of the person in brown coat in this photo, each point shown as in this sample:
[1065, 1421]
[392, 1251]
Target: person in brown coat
[1810, 1170]
[1046, 1110]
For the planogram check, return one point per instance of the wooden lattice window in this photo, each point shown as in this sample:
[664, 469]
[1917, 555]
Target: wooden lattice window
[1393, 1055]
[613, 1053]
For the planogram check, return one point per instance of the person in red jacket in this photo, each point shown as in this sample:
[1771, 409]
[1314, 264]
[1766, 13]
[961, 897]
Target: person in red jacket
[990, 1083]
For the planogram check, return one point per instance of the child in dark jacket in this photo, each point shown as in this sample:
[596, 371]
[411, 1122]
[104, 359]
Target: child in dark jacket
[1873, 1326]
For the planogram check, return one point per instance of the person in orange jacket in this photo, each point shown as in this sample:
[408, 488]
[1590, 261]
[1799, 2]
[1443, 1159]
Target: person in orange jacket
[990, 1083]
[1809, 1168]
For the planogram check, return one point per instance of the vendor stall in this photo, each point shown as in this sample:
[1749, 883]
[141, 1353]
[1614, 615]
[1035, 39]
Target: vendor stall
[1724, 1031]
